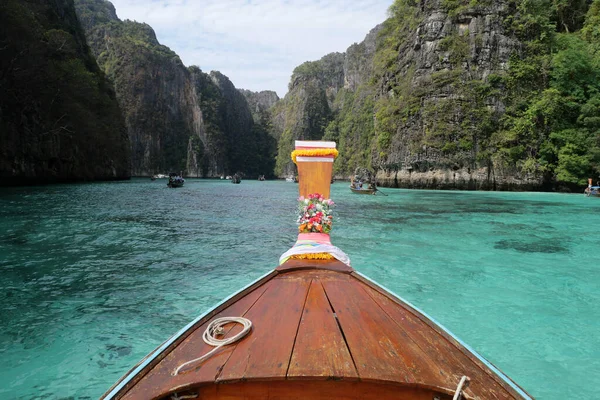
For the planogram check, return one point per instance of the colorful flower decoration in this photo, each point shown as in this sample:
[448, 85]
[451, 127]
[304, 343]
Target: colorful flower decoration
[313, 256]
[314, 214]
[314, 153]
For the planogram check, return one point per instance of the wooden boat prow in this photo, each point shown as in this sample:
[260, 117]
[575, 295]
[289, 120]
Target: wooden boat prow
[320, 330]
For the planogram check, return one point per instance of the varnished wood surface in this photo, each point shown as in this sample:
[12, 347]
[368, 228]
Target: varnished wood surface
[331, 265]
[320, 351]
[314, 177]
[193, 347]
[321, 327]
[382, 351]
[265, 354]
[299, 390]
[440, 350]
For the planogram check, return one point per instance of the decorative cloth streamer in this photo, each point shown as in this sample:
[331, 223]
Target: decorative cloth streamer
[313, 243]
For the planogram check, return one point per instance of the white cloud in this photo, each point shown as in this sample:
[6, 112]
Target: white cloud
[256, 43]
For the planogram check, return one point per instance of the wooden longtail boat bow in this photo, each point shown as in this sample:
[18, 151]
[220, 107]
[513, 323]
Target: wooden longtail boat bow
[319, 330]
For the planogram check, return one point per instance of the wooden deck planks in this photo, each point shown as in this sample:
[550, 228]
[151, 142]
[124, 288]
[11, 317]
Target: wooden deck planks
[380, 350]
[296, 336]
[448, 356]
[160, 380]
[320, 350]
[265, 354]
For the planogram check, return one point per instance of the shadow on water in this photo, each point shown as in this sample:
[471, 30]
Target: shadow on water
[14, 239]
[545, 246]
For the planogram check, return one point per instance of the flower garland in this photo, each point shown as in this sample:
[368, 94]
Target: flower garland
[315, 214]
[314, 153]
[313, 256]
[314, 225]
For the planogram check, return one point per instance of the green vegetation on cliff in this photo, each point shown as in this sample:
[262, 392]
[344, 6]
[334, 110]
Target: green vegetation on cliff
[553, 93]
[59, 119]
[306, 109]
[211, 103]
[248, 145]
[512, 87]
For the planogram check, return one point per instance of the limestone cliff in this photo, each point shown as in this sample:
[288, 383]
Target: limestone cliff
[404, 93]
[436, 104]
[307, 107]
[59, 119]
[459, 94]
[178, 118]
[260, 103]
[320, 93]
[248, 144]
[153, 87]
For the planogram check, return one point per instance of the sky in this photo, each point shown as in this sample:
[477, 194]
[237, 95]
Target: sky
[256, 43]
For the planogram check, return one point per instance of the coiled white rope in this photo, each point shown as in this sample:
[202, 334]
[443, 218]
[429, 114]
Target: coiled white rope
[215, 328]
[464, 381]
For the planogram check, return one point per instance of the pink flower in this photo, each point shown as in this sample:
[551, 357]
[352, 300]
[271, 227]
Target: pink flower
[314, 210]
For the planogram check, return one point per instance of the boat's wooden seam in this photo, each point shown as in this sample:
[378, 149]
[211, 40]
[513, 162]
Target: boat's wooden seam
[263, 353]
[444, 333]
[298, 328]
[341, 330]
[153, 358]
[320, 351]
[406, 332]
[439, 348]
[382, 353]
[436, 356]
[459, 344]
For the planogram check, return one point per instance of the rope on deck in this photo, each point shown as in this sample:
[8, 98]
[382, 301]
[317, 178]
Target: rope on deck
[464, 381]
[215, 328]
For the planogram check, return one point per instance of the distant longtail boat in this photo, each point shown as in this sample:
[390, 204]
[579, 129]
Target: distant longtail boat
[314, 328]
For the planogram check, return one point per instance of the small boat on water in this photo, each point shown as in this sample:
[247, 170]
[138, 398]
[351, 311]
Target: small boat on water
[314, 328]
[175, 180]
[592, 191]
[236, 178]
[368, 190]
[363, 182]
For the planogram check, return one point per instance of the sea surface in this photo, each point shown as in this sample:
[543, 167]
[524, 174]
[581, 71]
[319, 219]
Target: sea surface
[95, 276]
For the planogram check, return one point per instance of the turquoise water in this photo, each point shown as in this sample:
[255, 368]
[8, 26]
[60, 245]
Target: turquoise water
[95, 276]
